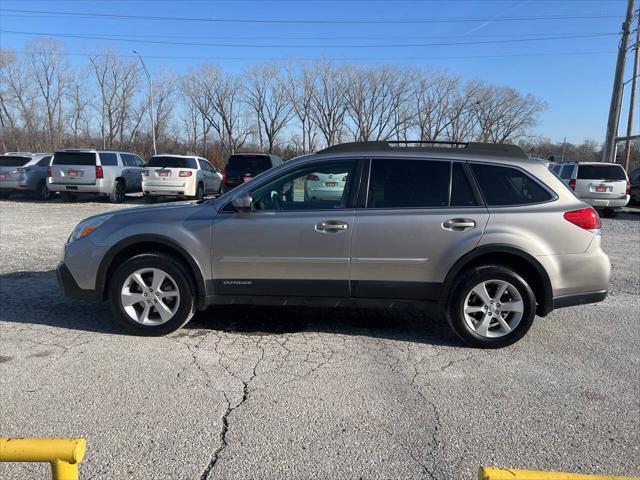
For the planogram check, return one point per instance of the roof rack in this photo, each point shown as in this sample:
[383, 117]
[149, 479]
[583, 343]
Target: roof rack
[439, 146]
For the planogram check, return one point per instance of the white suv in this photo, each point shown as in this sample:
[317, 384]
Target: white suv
[602, 185]
[179, 176]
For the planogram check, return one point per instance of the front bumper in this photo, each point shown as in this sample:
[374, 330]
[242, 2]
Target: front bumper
[69, 287]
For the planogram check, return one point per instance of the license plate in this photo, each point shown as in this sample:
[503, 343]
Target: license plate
[4, 176]
[601, 188]
[164, 174]
[72, 173]
[247, 178]
[330, 184]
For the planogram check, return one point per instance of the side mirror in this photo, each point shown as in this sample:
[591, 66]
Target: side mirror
[242, 202]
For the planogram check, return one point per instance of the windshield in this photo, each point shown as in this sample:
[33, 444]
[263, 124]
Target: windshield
[173, 162]
[11, 161]
[254, 163]
[601, 172]
[74, 158]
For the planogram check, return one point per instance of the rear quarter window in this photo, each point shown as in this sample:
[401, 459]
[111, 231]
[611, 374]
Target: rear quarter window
[506, 186]
[601, 172]
[74, 158]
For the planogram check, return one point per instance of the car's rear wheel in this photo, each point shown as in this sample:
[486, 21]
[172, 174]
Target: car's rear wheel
[609, 213]
[67, 197]
[119, 189]
[491, 307]
[42, 192]
[152, 294]
[200, 192]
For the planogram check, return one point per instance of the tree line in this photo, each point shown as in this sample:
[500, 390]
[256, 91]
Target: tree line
[289, 107]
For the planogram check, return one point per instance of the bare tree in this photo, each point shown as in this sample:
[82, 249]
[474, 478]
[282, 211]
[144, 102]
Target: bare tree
[267, 96]
[79, 105]
[300, 87]
[433, 96]
[329, 101]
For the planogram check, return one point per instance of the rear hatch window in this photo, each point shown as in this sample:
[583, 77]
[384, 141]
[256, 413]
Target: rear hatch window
[172, 162]
[11, 161]
[74, 158]
[601, 172]
[240, 164]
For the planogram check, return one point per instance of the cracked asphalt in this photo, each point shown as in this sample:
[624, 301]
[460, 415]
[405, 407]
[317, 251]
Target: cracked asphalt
[310, 393]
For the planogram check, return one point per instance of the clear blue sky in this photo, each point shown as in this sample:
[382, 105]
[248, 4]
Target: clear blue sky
[573, 75]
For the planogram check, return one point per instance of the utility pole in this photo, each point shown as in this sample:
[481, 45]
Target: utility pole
[609, 149]
[634, 81]
[153, 127]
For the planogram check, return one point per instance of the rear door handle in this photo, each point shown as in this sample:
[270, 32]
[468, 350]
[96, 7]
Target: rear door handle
[331, 226]
[458, 224]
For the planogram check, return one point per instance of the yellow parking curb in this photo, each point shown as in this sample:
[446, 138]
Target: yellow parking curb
[64, 454]
[490, 473]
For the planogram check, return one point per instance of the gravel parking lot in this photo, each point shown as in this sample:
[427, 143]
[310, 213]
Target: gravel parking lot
[310, 393]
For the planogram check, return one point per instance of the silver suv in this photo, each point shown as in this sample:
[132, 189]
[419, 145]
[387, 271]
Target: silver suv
[22, 171]
[602, 185]
[480, 233]
[78, 171]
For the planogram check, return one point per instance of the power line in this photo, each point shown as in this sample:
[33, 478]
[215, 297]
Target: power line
[307, 21]
[305, 59]
[263, 45]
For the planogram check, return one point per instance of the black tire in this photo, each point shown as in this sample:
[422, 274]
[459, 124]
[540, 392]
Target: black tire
[42, 192]
[455, 306]
[119, 191]
[184, 281]
[149, 198]
[67, 197]
[609, 213]
[200, 192]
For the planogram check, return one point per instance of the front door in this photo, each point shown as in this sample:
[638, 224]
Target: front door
[421, 216]
[295, 241]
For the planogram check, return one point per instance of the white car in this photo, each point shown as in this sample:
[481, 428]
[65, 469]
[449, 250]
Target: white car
[324, 186]
[604, 186]
[179, 176]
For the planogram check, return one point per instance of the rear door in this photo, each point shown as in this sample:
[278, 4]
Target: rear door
[601, 181]
[287, 245]
[74, 168]
[420, 216]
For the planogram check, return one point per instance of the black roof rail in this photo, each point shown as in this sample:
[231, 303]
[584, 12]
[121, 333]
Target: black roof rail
[439, 146]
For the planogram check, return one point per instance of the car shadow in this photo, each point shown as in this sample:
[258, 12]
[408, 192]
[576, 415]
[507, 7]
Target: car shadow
[33, 298]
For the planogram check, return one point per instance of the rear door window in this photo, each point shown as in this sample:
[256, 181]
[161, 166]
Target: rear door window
[601, 172]
[461, 191]
[13, 161]
[173, 162]
[506, 186]
[109, 159]
[74, 158]
[566, 172]
[398, 183]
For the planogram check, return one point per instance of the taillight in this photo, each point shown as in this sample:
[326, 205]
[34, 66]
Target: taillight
[185, 173]
[628, 190]
[145, 173]
[313, 178]
[224, 176]
[99, 172]
[572, 184]
[48, 171]
[586, 218]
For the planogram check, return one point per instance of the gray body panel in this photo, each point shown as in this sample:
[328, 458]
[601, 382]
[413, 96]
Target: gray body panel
[27, 177]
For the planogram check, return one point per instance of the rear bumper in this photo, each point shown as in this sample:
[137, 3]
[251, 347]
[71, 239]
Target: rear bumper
[69, 287]
[579, 299]
[78, 188]
[603, 202]
[25, 183]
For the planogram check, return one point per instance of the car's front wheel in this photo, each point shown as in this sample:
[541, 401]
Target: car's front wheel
[491, 307]
[152, 294]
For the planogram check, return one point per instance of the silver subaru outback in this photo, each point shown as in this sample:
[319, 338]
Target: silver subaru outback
[479, 233]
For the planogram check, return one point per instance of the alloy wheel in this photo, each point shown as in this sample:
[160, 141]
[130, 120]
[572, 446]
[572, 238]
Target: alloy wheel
[493, 308]
[150, 296]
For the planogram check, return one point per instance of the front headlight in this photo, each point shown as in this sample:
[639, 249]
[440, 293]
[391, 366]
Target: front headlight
[87, 226]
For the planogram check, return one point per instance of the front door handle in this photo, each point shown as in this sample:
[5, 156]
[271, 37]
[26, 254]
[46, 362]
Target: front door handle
[331, 226]
[458, 224]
